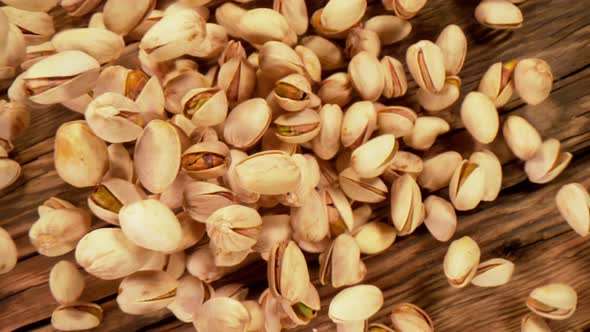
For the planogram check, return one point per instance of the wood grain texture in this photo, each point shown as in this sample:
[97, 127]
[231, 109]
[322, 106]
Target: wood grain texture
[522, 225]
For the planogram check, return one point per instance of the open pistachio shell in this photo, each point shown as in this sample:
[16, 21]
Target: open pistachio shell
[311, 63]
[36, 27]
[201, 199]
[201, 264]
[145, 292]
[493, 273]
[366, 75]
[234, 228]
[295, 12]
[498, 83]
[372, 158]
[232, 181]
[268, 173]
[298, 127]
[76, 316]
[205, 106]
[310, 220]
[453, 44]
[121, 16]
[407, 317]
[275, 229]
[358, 124]
[374, 237]
[492, 169]
[330, 54]
[355, 303]
[293, 92]
[302, 312]
[547, 163]
[66, 282]
[396, 83]
[221, 314]
[288, 276]
[103, 45]
[533, 80]
[533, 323]
[438, 170]
[238, 79]
[396, 120]
[341, 264]
[468, 185]
[257, 113]
[340, 214]
[206, 160]
[9, 252]
[522, 138]
[440, 219]
[443, 99]
[461, 261]
[336, 89]
[327, 143]
[480, 117]
[499, 14]
[114, 118]
[573, 202]
[553, 301]
[363, 190]
[425, 131]
[177, 83]
[110, 196]
[407, 210]
[390, 29]
[426, 63]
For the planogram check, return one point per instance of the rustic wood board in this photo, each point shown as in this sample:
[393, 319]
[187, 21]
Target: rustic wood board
[522, 225]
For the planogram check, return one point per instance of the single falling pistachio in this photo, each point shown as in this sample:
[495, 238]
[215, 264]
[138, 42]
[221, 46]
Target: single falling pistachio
[122, 17]
[276, 27]
[372, 158]
[257, 113]
[533, 80]
[327, 142]
[438, 170]
[492, 169]
[298, 127]
[234, 228]
[66, 282]
[37, 27]
[144, 292]
[9, 252]
[396, 83]
[468, 185]
[499, 14]
[295, 12]
[358, 124]
[407, 210]
[341, 264]
[288, 276]
[396, 120]
[493, 273]
[522, 138]
[103, 45]
[360, 39]
[445, 98]
[339, 15]
[33, 5]
[573, 202]
[425, 131]
[366, 75]
[480, 117]
[440, 218]
[553, 301]
[534, 323]
[390, 29]
[426, 63]
[76, 316]
[268, 172]
[356, 303]
[311, 63]
[405, 9]
[330, 54]
[206, 160]
[498, 82]
[191, 293]
[407, 317]
[547, 163]
[363, 190]
[453, 44]
[461, 262]
[79, 8]
[374, 237]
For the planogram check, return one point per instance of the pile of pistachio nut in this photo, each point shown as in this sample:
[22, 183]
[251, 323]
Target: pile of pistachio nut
[216, 136]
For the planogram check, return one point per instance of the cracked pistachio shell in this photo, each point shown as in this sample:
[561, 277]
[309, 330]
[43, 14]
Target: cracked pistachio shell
[221, 314]
[66, 283]
[201, 199]
[144, 292]
[76, 316]
[298, 127]
[206, 160]
[327, 143]
[311, 63]
[36, 53]
[79, 8]
[426, 63]
[336, 89]
[268, 173]
[301, 313]
[288, 276]
[330, 54]
[295, 12]
[151, 224]
[547, 163]
[407, 210]
[201, 264]
[461, 261]
[60, 77]
[232, 49]
[10, 171]
[372, 158]
[426, 130]
[358, 124]
[278, 60]
[157, 155]
[493, 273]
[468, 185]
[275, 27]
[107, 254]
[237, 78]
[151, 101]
[396, 83]
[121, 16]
[522, 138]
[404, 163]
[32, 5]
[498, 83]
[357, 303]
[533, 80]
[499, 14]
[9, 252]
[110, 196]
[120, 163]
[81, 158]
[275, 229]
[234, 228]
[230, 178]
[366, 75]
[177, 83]
[492, 169]
[553, 301]
[293, 92]
[310, 220]
[440, 218]
[363, 190]
[374, 237]
[360, 39]
[445, 98]
[120, 80]
[37, 27]
[573, 202]
[407, 317]
[534, 323]
[390, 29]
[103, 45]
[205, 106]
[341, 264]
[191, 293]
[114, 118]
[340, 15]
[438, 170]
[396, 120]
[480, 117]
[453, 44]
[257, 114]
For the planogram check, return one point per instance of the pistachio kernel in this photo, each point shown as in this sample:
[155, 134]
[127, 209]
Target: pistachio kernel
[507, 70]
[136, 81]
[286, 90]
[195, 103]
[304, 312]
[104, 198]
[297, 129]
[201, 161]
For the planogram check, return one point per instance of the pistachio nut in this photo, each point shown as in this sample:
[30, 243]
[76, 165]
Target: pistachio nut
[311, 63]
[396, 83]
[257, 316]
[36, 27]
[32, 5]
[534, 323]
[310, 178]
[257, 113]
[445, 98]
[356, 303]
[327, 143]
[206, 160]
[547, 163]
[341, 264]
[360, 39]
[144, 292]
[120, 163]
[461, 262]
[301, 313]
[366, 75]
[438, 170]
[191, 293]
[295, 13]
[10, 253]
[390, 29]
[363, 190]
[553, 301]
[54, 203]
[177, 83]
[358, 124]
[493, 273]
[340, 214]
[237, 78]
[299, 127]
[573, 202]
[310, 220]
[107, 254]
[270, 141]
[103, 45]
[468, 185]
[374, 237]
[110, 196]
[336, 89]
[440, 218]
[201, 199]
[66, 283]
[498, 82]
[533, 80]
[499, 14]
[157, 155]
[276, 27]
[76, 316]
[480, 117]
[231, 179]
[288, 277]
[78, 8]
[234, 228]
[278, 60]
[233, 49]
[173, 264]
[407, 210]
[407, 317]
[453, 44]
[214, 43]
[426, 63]
[36, 53]
[221, 314]
[425, 131]
[403, 163]
[293, 93]
[96, 21]
[229, 15]
[114, 118]
[57, 78]
[340, 15]
[330, 54]
[522, 138]
[201, 264]
[120, 80]
[396, 120]
[122, 17]
[372, 158]
[361, 216]
[275, 229]
[268, 173]
[492, 169]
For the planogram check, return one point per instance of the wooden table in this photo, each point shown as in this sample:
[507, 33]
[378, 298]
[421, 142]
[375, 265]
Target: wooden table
[522, 225]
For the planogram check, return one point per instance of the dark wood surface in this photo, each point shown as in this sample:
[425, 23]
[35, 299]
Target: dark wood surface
[522, 225]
